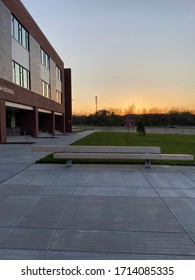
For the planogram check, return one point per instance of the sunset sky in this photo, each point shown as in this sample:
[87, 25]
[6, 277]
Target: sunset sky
[123, 51]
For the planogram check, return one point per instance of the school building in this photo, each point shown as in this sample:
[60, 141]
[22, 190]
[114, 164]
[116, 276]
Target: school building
[35, 87]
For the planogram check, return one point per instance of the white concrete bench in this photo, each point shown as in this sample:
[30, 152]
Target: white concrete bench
[110, 152]
[106, 152]
[96, 149]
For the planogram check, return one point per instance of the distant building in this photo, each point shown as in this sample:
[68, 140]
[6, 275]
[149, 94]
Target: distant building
[35, 89]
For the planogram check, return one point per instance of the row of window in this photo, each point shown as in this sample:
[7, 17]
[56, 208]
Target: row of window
[20, 75]
[45, 60]
[46, 92]
[19, 33]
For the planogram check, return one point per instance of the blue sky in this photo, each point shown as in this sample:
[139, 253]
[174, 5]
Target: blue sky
[123, 51]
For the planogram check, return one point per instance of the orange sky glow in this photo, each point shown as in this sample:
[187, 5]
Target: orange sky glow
[124, 52]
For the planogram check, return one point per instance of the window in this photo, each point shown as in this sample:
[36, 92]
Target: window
[44, 59]
[19, 33]
[45, 87]
[58, 73]
[25, 78]
[20, 75]
[59, 96]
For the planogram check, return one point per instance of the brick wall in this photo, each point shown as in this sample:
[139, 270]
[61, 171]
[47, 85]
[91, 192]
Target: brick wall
[27, 97]
[68, 100]
[2, 122]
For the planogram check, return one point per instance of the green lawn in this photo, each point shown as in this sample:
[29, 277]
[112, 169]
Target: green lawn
[171, 144]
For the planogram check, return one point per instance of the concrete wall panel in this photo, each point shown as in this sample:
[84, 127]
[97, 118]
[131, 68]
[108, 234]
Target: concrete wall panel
[35, 66]
[20, 54]
[53, 79]
[5, 43]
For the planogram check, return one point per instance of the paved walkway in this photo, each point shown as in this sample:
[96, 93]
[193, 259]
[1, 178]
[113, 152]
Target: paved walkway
[93, 211]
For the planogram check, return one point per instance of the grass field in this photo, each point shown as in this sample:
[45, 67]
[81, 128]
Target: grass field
[169, 143]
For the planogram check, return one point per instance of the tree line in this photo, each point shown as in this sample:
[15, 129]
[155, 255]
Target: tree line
[108, 118]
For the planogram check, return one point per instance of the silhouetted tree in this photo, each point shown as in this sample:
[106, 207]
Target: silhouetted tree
[129, 122]
[141, 128]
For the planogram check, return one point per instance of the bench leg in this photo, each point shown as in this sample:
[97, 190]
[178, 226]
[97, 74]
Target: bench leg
[68, 163]
[147, 163]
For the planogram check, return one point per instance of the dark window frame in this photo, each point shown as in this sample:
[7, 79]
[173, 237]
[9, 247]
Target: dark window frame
[45, 89]
[19, 73]
[19, 32]
[45, 59]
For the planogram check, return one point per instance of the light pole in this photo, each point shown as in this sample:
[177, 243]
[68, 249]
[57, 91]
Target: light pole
[96, 100]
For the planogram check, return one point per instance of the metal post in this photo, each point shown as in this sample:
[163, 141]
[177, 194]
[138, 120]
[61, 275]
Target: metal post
[96, 100]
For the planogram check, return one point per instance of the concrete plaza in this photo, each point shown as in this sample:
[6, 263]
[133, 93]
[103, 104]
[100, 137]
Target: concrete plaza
[48, 211]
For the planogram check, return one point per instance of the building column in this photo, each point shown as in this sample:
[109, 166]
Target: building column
[3, 133]
[36, 122]
[53, 123]
[68, 100]
[63, 124]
